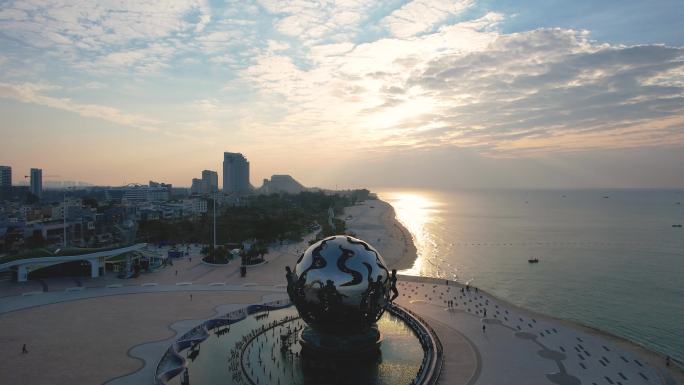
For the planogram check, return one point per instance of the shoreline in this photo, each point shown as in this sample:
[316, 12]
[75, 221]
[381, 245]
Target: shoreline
[389, 226]
[375, 221]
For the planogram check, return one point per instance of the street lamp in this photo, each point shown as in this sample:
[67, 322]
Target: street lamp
[215, 197]
[64, 210]
[64, 215]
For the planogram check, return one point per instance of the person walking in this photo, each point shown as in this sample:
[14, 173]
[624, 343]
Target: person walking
[25, 351]
[484, 328]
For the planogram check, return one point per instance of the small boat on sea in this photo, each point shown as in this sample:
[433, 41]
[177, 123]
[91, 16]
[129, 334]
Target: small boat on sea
[677, 225]
[533, 260]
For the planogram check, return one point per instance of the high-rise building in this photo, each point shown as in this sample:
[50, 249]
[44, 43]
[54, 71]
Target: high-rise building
[36, 182]
[196, 187]
[235, 173]
[5, 181]
[209, 181]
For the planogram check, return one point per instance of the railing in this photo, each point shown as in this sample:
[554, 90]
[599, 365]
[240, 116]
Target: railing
[433, 359]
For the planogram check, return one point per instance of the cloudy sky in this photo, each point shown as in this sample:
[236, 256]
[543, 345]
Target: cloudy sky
[467, 93]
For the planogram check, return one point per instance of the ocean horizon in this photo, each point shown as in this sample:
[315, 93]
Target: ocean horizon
[608, 258]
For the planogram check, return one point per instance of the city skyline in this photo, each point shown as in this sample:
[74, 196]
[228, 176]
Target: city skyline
[468, 93]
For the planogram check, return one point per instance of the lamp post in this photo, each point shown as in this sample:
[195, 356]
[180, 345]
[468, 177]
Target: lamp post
[64, 210]
[215, 197]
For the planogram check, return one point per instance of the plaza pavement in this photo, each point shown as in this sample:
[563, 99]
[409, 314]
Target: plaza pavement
[80, 330]
[518, 347]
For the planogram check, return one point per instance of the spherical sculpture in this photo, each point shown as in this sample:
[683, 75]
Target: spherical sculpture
[340, 285]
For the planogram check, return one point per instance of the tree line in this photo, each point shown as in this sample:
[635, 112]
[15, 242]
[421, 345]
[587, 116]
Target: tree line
[264, 218]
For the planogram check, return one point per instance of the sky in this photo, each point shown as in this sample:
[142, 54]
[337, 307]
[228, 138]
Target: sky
[465, 93]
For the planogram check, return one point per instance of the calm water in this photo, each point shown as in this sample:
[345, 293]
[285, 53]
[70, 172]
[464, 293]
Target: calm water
[400, 358]
[608, 258]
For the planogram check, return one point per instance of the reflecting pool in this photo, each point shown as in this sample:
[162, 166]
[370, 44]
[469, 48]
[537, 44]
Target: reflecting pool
[264, 349]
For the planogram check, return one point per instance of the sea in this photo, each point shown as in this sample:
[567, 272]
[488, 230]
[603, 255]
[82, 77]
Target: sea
[609, 259]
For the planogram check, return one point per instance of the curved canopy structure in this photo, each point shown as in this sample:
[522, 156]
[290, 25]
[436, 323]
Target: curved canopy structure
[96, 259]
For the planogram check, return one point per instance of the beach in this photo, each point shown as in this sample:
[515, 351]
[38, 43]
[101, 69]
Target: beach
[375, 222]
[375, 219]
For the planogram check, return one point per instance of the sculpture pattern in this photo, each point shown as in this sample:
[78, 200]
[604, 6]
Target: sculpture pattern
[340, 285]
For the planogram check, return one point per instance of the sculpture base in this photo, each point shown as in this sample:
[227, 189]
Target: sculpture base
[319, 346]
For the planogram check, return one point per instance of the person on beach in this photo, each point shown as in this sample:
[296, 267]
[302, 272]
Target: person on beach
[25, 351]
[485, 312]
[667, 360]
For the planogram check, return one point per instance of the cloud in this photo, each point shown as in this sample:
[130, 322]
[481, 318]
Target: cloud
[114, 33]
[421, 75]
[315, 22]
[419, 16]
[553, 89]
[274, 45]
[98, 24]
[35, 93]
[469, 85]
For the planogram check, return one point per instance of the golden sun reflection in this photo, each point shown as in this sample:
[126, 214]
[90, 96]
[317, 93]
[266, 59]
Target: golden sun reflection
[415, 211]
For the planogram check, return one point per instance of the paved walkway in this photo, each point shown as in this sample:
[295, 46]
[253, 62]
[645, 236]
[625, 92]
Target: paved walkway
[116, 317]
[88, 341]
[515, 348]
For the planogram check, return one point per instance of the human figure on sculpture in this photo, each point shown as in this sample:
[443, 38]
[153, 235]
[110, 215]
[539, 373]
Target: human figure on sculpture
[289, 275]
[377, 293]
[366, 300]
[332, 299]
[393, 285]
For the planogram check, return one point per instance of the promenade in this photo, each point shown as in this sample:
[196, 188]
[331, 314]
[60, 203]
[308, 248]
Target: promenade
[107, 330]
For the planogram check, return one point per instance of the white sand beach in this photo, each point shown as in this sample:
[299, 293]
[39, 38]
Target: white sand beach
[374, 221]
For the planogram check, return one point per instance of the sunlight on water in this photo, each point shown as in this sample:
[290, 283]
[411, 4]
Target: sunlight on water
[604, 262]
[415, 210]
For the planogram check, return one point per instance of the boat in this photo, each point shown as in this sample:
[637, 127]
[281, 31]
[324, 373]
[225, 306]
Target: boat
[677, 225]
[533, 260]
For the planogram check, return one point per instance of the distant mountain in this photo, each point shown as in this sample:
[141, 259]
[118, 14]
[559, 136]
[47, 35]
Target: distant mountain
[281, 184]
